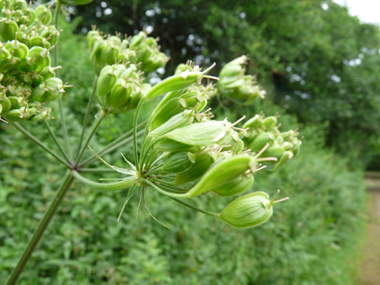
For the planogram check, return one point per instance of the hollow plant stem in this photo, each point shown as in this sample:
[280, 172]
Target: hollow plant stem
[56, 141]
[41, 144]
[63, 123]
[33, 242]
[93, 130]
[85, 121]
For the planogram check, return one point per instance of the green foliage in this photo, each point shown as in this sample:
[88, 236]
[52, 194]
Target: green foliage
[318, 62]
[311, 239]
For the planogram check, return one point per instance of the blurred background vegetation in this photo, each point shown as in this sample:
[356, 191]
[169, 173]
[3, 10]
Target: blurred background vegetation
[320, 67]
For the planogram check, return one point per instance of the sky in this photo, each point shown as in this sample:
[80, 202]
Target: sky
[365, 10]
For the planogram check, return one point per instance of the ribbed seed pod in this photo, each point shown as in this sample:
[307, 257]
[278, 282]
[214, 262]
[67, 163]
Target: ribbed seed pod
[250, 210]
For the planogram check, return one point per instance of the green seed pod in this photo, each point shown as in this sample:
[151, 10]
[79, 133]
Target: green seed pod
[137, 39]
[250, 210]
[23, 38]
[39, 57]
[193, 102]
[174, 83]
[108, 54]
[23, 113]
[124, 44]
[270, 122]
[129, 73]
[199, 134]
[8, 30]
[37, 92]
[106, 82]
[234, 68]
[197, 170]
[120, 95]
[18, 49]
[154, 62]
[274, 151]
[173, 146]
[55, 89]
[4, 53]
[95, 42]
[43, 14]
[297, 147]
[181, 68]
[261, 140]
[165, 112]
[177, 162]
[53, 36]
[114, 40]
[40, 42]
[221, 173]
[9, 63]
[92, 35]
[16, 103]
[41, 115]
[136, 96]
[255, 122]
[284, 158]
[19, 5]
[231, 142]
[177, 121]
[5, 104]
[49, 72]
[29, 18]
[234, 187]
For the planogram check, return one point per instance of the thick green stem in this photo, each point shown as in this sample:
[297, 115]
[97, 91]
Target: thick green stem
[41, 144]
[93, 130]
[56, 140]
[126, 183]
[41, 229]
[85, 121]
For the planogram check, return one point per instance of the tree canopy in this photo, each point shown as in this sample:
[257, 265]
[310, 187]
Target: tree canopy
[314, 59]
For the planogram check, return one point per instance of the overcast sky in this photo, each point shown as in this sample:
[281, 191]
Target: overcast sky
[365, 10]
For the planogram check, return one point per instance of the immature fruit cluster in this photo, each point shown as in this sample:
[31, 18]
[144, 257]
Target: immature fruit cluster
[120, 88]
[185, 153]
[29, 25]
[27, 80]
[235, 85]
[139, 49]
[265, 131]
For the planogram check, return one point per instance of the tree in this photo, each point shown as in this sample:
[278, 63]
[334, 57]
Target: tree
[315, 59]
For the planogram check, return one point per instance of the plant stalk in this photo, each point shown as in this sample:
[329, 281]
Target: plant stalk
[96, 170]
[41, 144]
[85, 121]
[115, 186]
[63, 123]
[56, 141]
[112, 146]
[216, 215]
[33, 242]
[93, 130]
